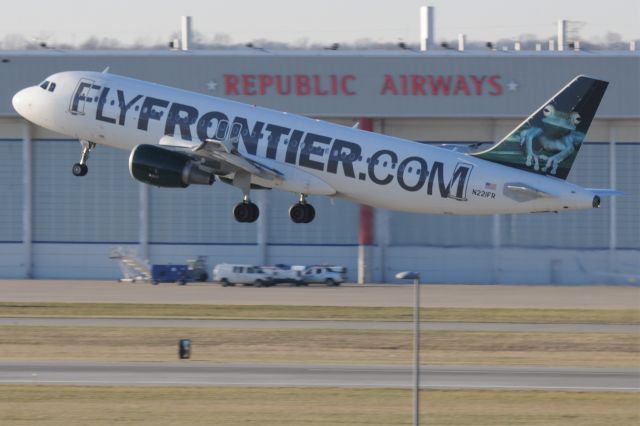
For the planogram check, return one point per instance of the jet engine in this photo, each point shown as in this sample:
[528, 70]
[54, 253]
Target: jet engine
[169, 169]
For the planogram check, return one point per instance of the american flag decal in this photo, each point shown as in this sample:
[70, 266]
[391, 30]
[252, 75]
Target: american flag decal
[490, 186]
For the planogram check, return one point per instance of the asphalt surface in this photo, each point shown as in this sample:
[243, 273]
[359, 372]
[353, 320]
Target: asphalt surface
[432, 295]
[317, 324]
[381, 376]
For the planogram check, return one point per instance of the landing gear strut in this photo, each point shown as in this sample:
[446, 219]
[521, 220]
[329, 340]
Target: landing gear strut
[81, 169]
[301, 212]
[246, 211]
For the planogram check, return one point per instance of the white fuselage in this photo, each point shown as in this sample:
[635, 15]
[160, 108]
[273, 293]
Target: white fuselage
[365, 167]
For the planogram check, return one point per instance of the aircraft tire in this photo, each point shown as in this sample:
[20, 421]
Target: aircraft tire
[309, 213]
[79, 169]
[246, 212]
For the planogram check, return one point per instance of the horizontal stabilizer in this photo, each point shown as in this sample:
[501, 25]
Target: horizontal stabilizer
[604, 192]
[522, 192]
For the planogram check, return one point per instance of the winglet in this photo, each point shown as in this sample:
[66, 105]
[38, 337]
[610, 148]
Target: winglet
[547, 142]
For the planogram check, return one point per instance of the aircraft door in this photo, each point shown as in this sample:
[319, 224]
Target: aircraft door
[85, 92]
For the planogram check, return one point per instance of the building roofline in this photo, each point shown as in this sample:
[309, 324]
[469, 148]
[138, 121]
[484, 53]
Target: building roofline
[315, 53]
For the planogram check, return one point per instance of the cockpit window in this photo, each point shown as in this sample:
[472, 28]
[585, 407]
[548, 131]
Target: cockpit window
[45, 84]
[52, 87]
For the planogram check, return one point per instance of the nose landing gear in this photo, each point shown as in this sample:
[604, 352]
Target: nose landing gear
[81, 169]
[302, 212]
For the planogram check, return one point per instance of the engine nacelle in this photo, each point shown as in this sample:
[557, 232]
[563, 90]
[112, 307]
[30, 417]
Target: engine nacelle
[169, 169]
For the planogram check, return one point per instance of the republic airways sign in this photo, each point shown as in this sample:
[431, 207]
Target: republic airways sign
[301, 85]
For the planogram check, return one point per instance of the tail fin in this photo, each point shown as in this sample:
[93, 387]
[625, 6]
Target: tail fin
[548, 141]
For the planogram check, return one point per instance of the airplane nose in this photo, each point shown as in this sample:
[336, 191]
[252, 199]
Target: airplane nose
[19, 102]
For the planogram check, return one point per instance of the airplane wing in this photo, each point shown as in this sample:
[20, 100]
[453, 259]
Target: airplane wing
[278, 175]
[226, 153]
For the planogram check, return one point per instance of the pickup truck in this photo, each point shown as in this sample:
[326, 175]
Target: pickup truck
[286, 274]
[326, 274]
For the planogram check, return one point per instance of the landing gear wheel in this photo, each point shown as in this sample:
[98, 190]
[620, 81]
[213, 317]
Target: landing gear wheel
[302, 213]
[309, 214]
[80, 169]
[255, 212]
[296, 213]
[246, 212]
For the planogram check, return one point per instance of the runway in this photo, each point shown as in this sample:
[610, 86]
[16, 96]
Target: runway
[271, 375]
[433, 295]
[318, 324]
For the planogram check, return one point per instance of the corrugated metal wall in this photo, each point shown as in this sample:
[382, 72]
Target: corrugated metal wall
[76, 221]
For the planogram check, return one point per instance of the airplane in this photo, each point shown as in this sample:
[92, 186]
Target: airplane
[177, 138]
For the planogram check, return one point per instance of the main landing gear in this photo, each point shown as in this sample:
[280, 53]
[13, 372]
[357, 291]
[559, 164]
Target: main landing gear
[301, 212]
[246, 211]
[81, 169]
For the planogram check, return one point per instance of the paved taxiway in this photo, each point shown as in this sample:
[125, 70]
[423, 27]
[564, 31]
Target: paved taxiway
[462, 296]
[388, 376]
[317, 325]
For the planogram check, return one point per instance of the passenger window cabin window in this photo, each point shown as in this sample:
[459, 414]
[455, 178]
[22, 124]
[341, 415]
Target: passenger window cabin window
[52, 87]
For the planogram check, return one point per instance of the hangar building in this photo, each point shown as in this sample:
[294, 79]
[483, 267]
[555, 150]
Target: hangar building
[56, 225]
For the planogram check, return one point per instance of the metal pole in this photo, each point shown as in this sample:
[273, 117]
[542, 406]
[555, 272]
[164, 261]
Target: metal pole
[262, 229]
[143, 221]
[416, 353]
[186, 32]
[27, 198]
[613, 222]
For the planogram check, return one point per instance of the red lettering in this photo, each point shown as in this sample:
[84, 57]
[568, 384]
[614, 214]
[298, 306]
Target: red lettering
[317, 83]
[461, 86]
[248, 84]
[439, 83]
[334, 84]
[302, 85]
[280, 87]
[388, 85]
[264, 81]
[403, 85]
[231, 84]
[497, 87]
[344, 84]
[417, 85]
[477, 83]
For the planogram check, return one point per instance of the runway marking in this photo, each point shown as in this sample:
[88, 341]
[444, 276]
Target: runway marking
[289, 385]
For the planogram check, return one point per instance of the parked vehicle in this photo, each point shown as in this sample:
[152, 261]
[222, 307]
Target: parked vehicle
[229, 274]
[170, 274]
[198, 269]
[287, 274]
[327, 274]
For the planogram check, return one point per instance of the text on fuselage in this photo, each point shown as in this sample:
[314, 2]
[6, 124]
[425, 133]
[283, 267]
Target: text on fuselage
[305, 149]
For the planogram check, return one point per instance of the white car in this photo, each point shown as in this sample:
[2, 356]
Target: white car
[229, 274]
[327, 274]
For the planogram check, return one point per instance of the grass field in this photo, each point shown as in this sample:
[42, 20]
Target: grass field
[66, 405]
[321, 346]
[126, 310]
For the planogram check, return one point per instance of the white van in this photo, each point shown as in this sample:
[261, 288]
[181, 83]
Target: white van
[228, 274]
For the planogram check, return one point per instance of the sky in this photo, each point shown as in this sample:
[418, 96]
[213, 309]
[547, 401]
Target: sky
[300, 21]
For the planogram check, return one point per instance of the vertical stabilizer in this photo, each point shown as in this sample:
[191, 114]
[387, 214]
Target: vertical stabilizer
[549, 140]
